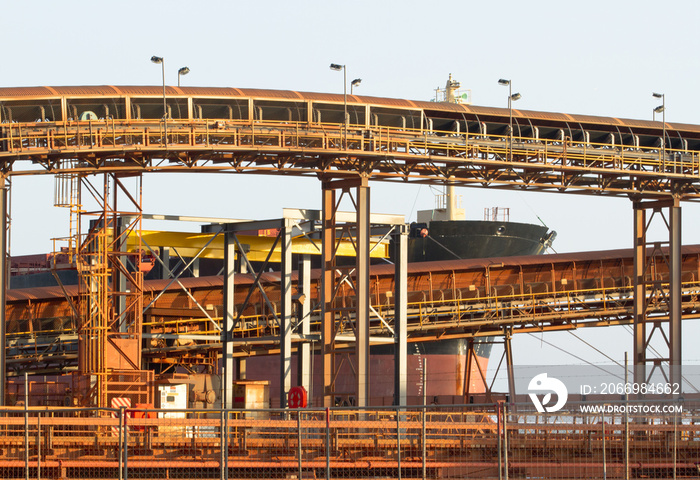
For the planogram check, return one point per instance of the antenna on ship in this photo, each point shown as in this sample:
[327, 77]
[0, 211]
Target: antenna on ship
[450, 88]
[452, 94]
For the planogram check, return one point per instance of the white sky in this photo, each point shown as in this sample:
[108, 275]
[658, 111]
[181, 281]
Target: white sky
[595, 57]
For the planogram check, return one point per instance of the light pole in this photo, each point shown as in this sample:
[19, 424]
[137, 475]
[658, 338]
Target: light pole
[181, 72]
[355, 83]
[661, 109]
[337, 68]
[160, 60]
[511, 98]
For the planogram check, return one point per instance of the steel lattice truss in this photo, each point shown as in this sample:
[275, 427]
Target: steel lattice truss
[467, 298]
[382, 153]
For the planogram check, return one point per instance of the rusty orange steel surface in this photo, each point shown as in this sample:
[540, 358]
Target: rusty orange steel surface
[119, 129]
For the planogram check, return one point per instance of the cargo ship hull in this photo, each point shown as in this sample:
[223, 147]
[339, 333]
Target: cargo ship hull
[443, 383]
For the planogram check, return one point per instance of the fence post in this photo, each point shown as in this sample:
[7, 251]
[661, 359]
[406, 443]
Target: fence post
[424, 440]
[120, 444]
[299, 440]
[425, 411]
[605, 466]
[126, 444]
[627, 423]
[398, 442]
[26, 427]
[505, 438]
[225, 444]
[675, 440]
[498, 440]
[328, 444]
[38, 446]
[222, 435]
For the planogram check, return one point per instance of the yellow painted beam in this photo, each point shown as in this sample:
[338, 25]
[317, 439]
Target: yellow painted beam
[189, 243]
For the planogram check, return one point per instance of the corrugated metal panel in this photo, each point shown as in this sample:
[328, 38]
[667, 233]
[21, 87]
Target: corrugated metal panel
[592, 119]
[89, 90]
[154, 90]
[209, 91]
[392, 102]
[552, 116]
[683, 126]
[501, 112]
[285, 94]
[193, 282]
[441, 106]
[37, 293]
[26, 92]
[636, 123]
[328, 97]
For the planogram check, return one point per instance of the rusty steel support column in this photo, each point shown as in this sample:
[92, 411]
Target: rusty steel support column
[165, 266]
[328, 261]
[675, 340]
[304, 350]
[509, 364]
[640, 336]
[400, 314]
[472, 363]
[4, 284]
[119, 278]
[227, 376]
[650, 262]
[286, 311]
[336, 278]
[362, 286]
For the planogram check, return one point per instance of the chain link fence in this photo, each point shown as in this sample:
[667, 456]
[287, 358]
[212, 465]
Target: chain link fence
[469, 441]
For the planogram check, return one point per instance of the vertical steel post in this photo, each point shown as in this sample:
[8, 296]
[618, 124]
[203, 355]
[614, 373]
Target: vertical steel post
[605, 464]
[299, 449]
[286, 312]
[223, 451]
[499, 440]
[328, 327]
[38, 446]
[229, 317]
[120, 449]
[225, 445]
[304, 349]
[423, 426]
[627, 424]
[639, 295]
[328, 444]
[675, 443]
[120, 283]
[400, 315]
[398, 442]
[645, 285]
[509, 365]
[675, 326]
[126, 444]
[26, 427]
[165, 258]
[4, 284]
[362, 285]
[505, 439]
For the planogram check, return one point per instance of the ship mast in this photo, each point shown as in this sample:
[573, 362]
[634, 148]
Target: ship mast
[450, 88]
[453, 210]
[451, 200]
